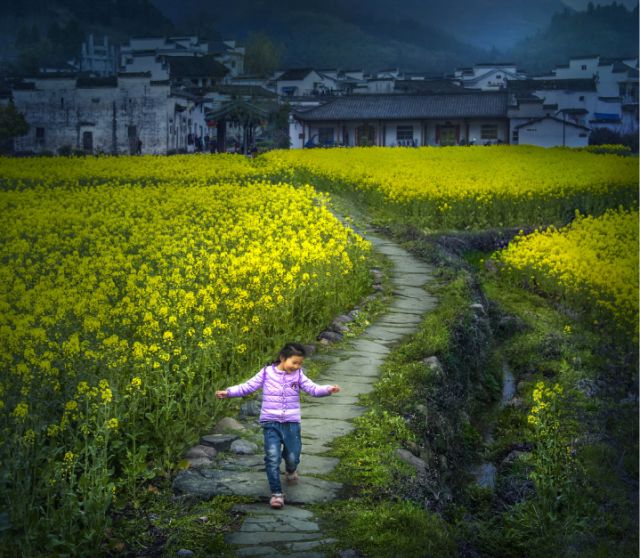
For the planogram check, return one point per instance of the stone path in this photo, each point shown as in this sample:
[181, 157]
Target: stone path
[293, 531]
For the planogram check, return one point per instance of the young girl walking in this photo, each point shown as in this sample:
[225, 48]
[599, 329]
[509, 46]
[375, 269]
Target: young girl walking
[281, 382]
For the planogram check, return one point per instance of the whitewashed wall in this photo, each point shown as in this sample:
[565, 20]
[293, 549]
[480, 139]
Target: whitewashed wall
[548, 133]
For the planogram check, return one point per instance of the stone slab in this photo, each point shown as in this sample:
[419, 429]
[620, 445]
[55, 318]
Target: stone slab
[336, 399]
[261, 509]
[249, 551]
[315, 464]
[352, 389]
[207, 483]
[366, 347]
[241, 462]
[323, 429]
[240, 537]
[343, 412]
[308, 545]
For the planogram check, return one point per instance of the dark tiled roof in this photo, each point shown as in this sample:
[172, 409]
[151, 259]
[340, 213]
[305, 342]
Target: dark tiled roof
[294, 74]
[522, 85]
[427, 86]
[246, 90]
[398, 107]
[195, 66]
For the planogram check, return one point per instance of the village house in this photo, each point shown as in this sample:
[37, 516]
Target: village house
[486, 77]
[98, 59]
[616, 86]
[300, 82]
[124, 114]
[153, 54]
[533, 122]
[569, 100]
[403, 120]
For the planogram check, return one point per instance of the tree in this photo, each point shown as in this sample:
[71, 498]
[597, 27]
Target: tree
[262, 55]
[12, 124]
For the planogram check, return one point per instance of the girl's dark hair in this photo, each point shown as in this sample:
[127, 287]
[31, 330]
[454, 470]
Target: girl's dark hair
[289, 350]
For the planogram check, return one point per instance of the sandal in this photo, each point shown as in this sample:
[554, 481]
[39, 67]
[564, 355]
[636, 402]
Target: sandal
[277, 501]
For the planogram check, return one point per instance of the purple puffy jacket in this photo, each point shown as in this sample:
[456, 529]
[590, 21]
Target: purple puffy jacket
[280, 392]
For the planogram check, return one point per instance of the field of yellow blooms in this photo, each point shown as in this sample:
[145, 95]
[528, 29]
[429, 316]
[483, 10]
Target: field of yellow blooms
[593, 263]
[472, 187]
[190, 170]
[124, 305]
[130, 287]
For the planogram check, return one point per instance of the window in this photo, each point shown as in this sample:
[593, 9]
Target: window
[581, 98]
[498, 76]
[515, 136]
[61, 102]
[132, 132]
[325, 136]
[404, 133]
[289, 91]
[489, 131]
[583, 67]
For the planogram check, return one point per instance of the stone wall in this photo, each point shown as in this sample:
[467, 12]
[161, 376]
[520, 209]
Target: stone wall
[96, 118]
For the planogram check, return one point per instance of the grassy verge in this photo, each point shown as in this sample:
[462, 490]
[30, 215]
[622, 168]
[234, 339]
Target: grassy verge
[564, 448]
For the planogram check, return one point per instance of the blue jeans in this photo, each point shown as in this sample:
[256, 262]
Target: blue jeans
[281, 441]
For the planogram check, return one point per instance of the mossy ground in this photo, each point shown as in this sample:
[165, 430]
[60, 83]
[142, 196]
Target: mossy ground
[539, 340]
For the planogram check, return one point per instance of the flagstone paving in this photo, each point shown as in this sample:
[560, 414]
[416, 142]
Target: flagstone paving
[294, 531]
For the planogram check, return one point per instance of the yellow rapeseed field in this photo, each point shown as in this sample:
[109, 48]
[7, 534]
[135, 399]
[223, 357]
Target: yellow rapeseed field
[462, 187]
[124, 305]
[593, 263]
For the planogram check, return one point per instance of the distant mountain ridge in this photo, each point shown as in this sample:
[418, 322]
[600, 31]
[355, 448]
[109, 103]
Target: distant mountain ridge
[413, 35]
[609, 31]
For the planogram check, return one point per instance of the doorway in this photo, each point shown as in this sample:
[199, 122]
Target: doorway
[448, 135]
[87, 141]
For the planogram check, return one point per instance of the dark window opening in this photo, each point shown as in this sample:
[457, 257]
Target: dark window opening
[489, 131]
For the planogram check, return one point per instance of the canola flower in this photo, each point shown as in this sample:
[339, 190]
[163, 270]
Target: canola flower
[128, 288]
[138, 278]
[473, 186]
[18, 173]
[593, 262]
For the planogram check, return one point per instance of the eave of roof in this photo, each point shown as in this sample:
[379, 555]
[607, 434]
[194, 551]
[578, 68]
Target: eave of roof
[399, 107]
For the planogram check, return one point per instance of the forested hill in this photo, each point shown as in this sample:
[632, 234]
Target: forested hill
[50, 32]
[412, 35]
[610, 31]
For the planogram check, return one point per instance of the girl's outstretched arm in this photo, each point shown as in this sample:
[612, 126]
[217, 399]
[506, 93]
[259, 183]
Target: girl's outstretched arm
[246, 388]
[314, 389]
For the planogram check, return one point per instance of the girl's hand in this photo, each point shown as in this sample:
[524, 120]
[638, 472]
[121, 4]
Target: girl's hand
[221, 394]
[334, 389]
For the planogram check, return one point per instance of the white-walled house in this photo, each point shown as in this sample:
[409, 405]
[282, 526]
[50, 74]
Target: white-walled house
[546, 130]
[403, 120]
[616, 82]
[301, 82]
[151, 54]
[572, 99]
[532, 122]
[487, 77]
[106, 115]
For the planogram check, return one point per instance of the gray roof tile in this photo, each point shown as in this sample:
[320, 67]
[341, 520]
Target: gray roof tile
[398, 107]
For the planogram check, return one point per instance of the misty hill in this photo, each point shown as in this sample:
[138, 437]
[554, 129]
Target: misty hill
[51, 31]
[610, 31]
[330, 33]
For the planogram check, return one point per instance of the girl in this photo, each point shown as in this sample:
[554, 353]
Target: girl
[281, 382]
